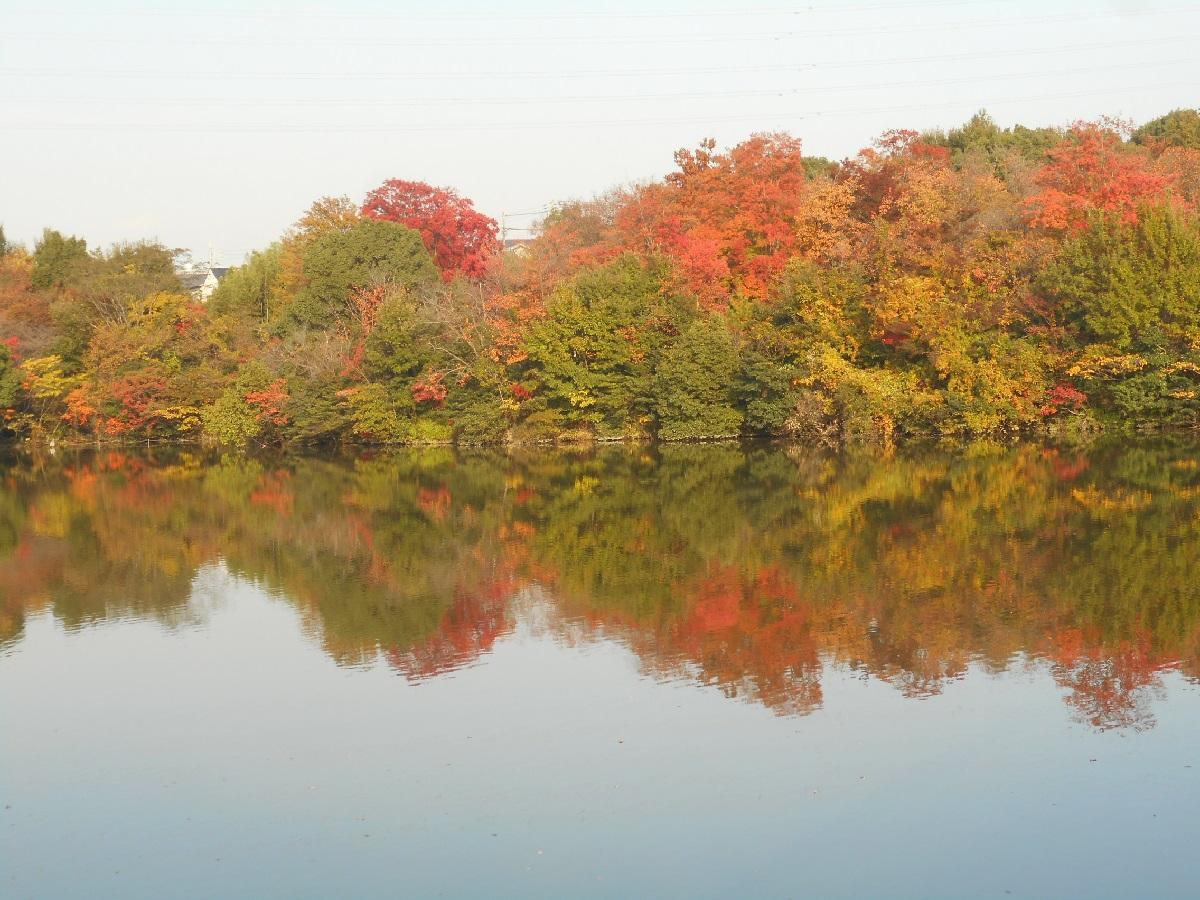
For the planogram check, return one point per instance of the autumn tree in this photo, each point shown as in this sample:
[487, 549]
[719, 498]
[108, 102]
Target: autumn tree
[1092, 171]
[726, 219]
[461, 238]
[24, 311]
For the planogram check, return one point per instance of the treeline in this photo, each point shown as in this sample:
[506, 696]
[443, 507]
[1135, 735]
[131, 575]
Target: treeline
[983, 281]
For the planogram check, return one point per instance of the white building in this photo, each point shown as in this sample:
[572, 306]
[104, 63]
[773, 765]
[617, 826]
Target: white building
[201, 281]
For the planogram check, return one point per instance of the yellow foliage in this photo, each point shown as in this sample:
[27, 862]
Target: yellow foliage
[1098, 362]
[1122, 501]
[44, 378]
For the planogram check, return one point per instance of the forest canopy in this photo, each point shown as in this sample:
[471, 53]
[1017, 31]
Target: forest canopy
[984, 280]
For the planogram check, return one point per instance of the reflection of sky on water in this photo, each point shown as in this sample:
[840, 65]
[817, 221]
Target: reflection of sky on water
[233, 757]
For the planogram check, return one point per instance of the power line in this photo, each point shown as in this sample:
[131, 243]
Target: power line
[407, 76]
[309, 102]
[606, 15]
[308, 128]
[592, 73]
[491, 41]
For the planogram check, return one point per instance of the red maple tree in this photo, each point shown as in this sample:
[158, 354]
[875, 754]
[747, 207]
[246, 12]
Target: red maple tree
[461, 238]
[1094, 171]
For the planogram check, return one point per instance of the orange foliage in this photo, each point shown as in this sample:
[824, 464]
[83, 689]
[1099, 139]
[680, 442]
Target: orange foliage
[1094, 171]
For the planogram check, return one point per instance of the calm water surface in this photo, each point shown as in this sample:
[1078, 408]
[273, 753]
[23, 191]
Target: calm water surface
[686, 672]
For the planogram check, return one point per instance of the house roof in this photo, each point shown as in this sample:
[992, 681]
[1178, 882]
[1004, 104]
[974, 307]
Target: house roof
[192, 280]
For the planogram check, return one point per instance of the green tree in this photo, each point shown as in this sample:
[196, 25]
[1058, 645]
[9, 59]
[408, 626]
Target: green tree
[369, 254]
[1135, 287]
[249, 292]
[232, 420]
[56, 258]
[1178, 128]
[1131, 295]
[1001, 147]
[594, 353]
[10, 381]
[694, 384]
[106, 288]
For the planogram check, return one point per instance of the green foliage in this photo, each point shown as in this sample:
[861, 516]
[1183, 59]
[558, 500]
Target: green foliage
[316, 414]
[1162, 394]
[479, 416]
[10, 381]
[103, 288]
[1178, 128]
[594, 353]
[862, 405]
[56, 258]
[248, 292]
[819, 167]
[812, 309]
[369, 254]
[231, 420]
[980, 135]
[401, 345]
[1135, 287]
[694, 384]
[373, 415]
[1132, 291]
[993, 383]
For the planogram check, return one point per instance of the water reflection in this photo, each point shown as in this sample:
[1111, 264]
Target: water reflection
[748, 569]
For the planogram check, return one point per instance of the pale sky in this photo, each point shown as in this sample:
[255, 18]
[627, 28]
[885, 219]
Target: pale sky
[217, 124]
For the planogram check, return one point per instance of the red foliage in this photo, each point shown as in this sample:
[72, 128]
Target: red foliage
[726, 219]
[461, 238]
[80, 409]
[1094, 171]
[1063, 396]
[430, 388]
[881, 173]
[270, 402]
[139, 394]
[274, 491]
[364, 305]
[435, 503]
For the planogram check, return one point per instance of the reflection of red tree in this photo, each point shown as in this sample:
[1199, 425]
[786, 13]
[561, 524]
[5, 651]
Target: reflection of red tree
[747, 633]
[274, 491]
[468, 630]
[1067, 468]
[435, 503]
[1109, 687]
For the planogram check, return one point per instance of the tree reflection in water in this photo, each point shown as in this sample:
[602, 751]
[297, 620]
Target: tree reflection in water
[750, 569]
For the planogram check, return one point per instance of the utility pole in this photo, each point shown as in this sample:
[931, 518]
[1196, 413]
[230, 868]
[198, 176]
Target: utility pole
[504, 251]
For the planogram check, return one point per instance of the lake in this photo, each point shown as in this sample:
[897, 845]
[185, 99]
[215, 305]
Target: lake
[684, 671]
